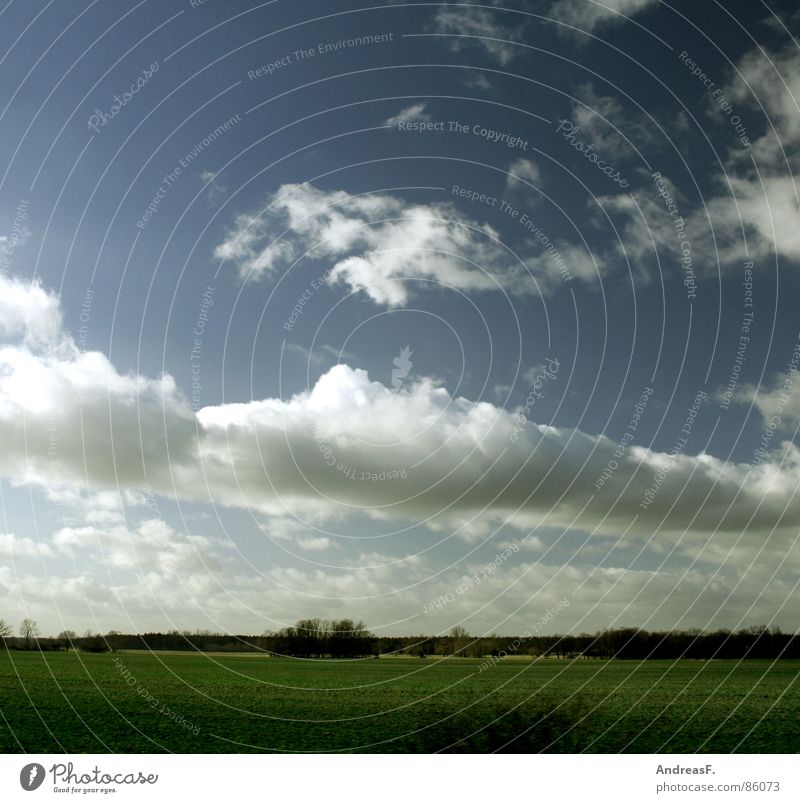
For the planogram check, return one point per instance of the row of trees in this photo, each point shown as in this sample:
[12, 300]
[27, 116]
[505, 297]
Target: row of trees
[28, 632]
[320, 638]
[30, 638]
[344, 638]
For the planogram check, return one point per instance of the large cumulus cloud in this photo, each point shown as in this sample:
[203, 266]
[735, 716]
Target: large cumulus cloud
[350, 445]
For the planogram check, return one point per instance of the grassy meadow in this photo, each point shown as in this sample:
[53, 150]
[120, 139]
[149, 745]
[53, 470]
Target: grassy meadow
[178, 702]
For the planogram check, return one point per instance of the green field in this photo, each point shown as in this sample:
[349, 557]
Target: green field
[141, 702]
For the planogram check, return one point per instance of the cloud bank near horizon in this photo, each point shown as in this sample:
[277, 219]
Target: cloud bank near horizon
[350, 446]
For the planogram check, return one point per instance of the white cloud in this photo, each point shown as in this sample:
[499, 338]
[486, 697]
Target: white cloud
[777, 402]
[13, 547]
[756, 199]
[614, 131]
[768, 212]
[28, 311]
[297, 533]
[216, 189]
[765, 93]
[381, 245]
[318, 543]
[708, 585]
[70, 416]
[350, 447]
[462, 464]
[589, 15]
[323, 356]
[494, 32]
[152, 547]
[524, 169]
[409, 114]
[771, 80]
[478, 80]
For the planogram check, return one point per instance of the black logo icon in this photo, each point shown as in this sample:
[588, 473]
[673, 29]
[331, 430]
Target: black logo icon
[31, 777]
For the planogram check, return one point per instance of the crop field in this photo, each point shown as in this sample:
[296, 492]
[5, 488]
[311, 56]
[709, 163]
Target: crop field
[186, 703]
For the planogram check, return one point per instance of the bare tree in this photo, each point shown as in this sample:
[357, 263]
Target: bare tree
[29, 630]
[312, 634]
[6, 631]
[460, 639]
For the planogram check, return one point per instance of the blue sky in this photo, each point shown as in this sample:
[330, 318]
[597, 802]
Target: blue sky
[579, 220]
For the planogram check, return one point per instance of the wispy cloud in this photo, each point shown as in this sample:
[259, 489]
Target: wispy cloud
[409, 114]
[494, 32]
[756, 202]
[589, 15]
[381, 245]
[526, 170]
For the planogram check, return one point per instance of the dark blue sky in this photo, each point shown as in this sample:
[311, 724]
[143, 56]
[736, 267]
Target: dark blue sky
[238, 138]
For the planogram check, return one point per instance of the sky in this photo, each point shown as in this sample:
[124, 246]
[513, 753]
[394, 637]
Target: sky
[424, 314]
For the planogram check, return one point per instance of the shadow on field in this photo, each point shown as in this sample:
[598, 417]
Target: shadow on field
[532, 728]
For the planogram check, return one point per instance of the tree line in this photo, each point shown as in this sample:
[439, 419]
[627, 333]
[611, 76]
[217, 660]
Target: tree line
[345, 638]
